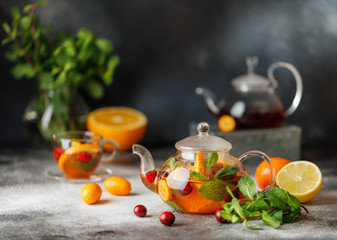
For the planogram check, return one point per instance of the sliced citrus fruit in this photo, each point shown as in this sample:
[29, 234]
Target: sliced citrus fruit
[226, 123]
[303, 179]
[164, 191]
[122, 124]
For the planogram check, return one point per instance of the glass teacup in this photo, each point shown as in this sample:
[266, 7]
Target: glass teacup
[78, 153]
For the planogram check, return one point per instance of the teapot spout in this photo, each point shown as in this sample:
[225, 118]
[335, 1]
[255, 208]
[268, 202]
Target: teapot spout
[210, 99]
[148, 171]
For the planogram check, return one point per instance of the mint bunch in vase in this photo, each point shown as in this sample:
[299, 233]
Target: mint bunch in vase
[62, 65]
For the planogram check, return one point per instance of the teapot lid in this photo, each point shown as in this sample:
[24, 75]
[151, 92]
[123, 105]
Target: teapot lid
[251, 80]
[203, 141]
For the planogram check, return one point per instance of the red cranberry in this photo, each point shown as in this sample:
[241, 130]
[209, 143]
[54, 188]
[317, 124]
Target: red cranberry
[83, 157]
[219, 218]
[57, 153]
[150, 176]
[187, 190]
[167, 218]
[163, 174]
[217, 167]
[140, 210]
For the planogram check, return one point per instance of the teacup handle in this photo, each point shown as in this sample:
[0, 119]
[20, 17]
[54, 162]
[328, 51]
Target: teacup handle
[113, 154]
[264, 156]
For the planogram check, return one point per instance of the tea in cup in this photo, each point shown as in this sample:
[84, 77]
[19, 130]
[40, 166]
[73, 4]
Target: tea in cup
[78, 153]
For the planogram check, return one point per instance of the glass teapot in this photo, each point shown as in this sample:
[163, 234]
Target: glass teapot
[253, 102]
[194, 179]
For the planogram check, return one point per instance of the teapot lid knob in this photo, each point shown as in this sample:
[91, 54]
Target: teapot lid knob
[203, 128]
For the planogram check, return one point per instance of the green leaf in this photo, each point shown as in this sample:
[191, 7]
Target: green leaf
[174, 206]
[212, 160]
[281, 198]
[25, 23]
[226, 215]
[6, 27]
[21, 70]
[214, 190]
[104, 45]
[228, 170]
[250, 227]
[237, 208]
[61, 78]
[5, 41]
[94, 89]
[273, 219]
[291, 217]
[27, 8]
[173, 164]
[198, 176]
[15, 14]
[86, 166]
[247, 187]
[112, 64]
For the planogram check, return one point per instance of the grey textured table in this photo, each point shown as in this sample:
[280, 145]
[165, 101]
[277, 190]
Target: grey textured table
[33, 206]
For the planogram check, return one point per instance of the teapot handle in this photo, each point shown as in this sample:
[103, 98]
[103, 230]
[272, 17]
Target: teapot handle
[298, 80]
[264, 156]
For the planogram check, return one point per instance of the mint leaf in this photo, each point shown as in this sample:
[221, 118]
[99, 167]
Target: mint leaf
[174, 206]
[273, 219]
[198, 176]
[291, 217]
[247, 187]
[226, 171]
[250, 227]
[237, 208]
[226, 215]
[173, 164]
[214, 190]
[212, 160]
[281, 198]
[86, 166]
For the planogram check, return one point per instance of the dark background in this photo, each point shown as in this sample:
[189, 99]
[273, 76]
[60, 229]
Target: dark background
[169, 47]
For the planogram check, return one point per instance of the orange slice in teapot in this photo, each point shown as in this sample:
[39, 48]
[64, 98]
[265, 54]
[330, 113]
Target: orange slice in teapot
[164, 191]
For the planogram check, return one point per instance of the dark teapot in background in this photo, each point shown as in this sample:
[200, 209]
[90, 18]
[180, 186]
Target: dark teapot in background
[253, 102]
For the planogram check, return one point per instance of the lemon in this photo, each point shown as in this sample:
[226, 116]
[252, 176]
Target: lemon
[303, 179]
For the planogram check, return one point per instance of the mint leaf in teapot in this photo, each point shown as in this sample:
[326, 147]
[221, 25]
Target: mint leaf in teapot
[198, 176]
[247, 187]
[227, 170]
[215, 190]
[212, 160]
[173, 163]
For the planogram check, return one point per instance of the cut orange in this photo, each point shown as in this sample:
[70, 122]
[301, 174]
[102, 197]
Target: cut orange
[164, 191]
[303, 179]
[122, 124]
[226, 123]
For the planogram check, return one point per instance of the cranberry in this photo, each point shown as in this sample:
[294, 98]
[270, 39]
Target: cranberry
[140, 210]
[187, 190]
[163, 174]
[167, 218]
[219, 218]
[83, 157]
[57, 153]
[217, 167]
[150, 176]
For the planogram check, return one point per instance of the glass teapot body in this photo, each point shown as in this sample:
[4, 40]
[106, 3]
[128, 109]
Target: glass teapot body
[195, 182]
[255, 109]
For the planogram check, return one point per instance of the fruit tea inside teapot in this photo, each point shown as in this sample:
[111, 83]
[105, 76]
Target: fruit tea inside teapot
[195, 178]
[252, 101]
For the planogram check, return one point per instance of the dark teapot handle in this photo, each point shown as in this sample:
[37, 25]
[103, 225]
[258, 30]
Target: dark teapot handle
[298, 80]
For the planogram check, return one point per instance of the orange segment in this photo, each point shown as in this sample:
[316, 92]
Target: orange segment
[122, 124]
[164, 191]
[92, 148]
[199, 164]
[226, 123]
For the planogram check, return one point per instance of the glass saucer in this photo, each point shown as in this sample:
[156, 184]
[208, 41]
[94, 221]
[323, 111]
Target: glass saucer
[99, 175]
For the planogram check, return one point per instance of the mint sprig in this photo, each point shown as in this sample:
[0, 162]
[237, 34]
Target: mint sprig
[275, 207]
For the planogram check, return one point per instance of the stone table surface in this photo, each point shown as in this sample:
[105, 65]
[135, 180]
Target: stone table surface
[35, 206]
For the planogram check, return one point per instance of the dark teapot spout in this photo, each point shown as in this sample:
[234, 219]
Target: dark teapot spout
[211, 101]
